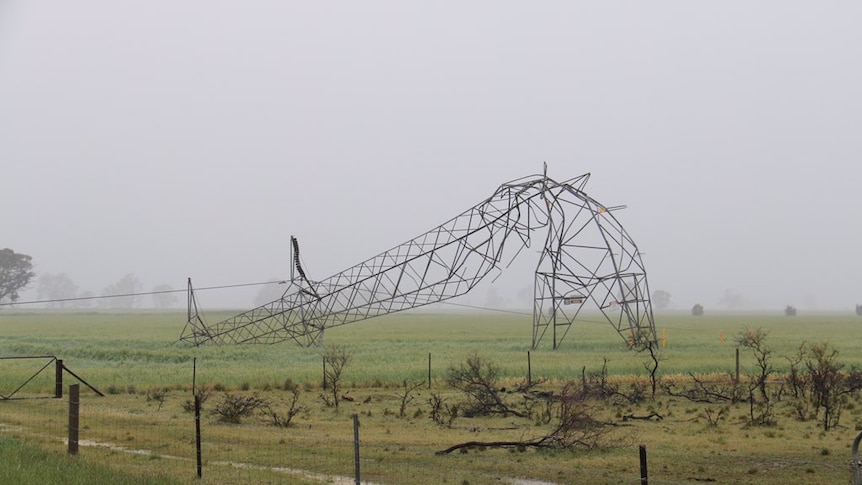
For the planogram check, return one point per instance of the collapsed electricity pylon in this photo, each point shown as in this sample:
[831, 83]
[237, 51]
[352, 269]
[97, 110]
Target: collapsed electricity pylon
[588, 261]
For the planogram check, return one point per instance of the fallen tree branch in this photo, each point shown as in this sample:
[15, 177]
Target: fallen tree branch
[649, 416]
[488, 444]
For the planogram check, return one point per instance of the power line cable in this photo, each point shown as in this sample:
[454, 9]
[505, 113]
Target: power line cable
[147, 293]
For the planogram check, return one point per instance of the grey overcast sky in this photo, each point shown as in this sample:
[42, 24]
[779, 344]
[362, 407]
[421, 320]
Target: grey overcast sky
[175, 139]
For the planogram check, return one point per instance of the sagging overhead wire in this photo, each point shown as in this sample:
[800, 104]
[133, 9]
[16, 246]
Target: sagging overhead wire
[146, 293]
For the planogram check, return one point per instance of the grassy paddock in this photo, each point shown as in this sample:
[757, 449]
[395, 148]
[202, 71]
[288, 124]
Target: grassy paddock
[119, 350]
[133, 432]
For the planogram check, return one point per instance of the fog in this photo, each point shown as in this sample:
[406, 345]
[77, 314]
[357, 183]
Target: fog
[192, 139]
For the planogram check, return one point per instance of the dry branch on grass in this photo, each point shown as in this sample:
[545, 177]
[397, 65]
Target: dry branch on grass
[646, 417]
[577, 428]
[705, 392]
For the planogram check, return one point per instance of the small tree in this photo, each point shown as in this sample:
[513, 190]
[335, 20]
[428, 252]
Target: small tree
[859, 310]
[790, 311]
[651, 365]
[16, 270]
[755, 340]
[826, 380]
[335, 359]
[697, 310]
[799, 383]
[406, 396]
[661, 299]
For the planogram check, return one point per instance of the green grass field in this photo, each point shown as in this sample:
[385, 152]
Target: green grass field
[126, 355]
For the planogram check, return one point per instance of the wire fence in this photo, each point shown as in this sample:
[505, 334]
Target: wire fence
[154, 432]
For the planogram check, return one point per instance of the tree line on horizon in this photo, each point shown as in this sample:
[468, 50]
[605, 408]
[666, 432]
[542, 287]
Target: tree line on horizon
[58, 290]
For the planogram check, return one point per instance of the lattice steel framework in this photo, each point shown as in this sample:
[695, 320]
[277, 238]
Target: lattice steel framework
[588, 261]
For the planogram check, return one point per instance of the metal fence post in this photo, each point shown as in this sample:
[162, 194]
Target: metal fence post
[736, 376]
[644, 478]
[857, 474]
[356, 446]
[58, 378]
[198, 434]
[74, 417]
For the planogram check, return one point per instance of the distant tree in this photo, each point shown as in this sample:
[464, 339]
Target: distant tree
[494, 299]
[85, 300]
[731, 299]
[790, 311]
[16, 270]
[162, 298]
[697, 310]
[128, 286]
[859, 310]
[57, 287]
[525, 295]
[661, 299]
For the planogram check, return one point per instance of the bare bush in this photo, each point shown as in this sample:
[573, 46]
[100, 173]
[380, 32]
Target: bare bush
[335, 359]
[826, 382]
[760, 408]
[755, 340]
[283, 420]
[158, 395]
[714, 416]
[477, 378]
[442, 413]
[597, 385]
[233, 408]
[202, 395]
[407, 395]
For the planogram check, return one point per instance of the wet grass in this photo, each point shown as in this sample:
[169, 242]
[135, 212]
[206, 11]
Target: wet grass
[129, 355]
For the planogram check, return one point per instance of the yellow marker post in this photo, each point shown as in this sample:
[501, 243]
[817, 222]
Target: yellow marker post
[663, 338]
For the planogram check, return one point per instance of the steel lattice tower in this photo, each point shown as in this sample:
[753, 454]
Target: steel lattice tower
[588, 262]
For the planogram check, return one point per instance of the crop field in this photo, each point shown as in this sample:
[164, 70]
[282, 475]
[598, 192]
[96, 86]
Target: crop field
[141, 431]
